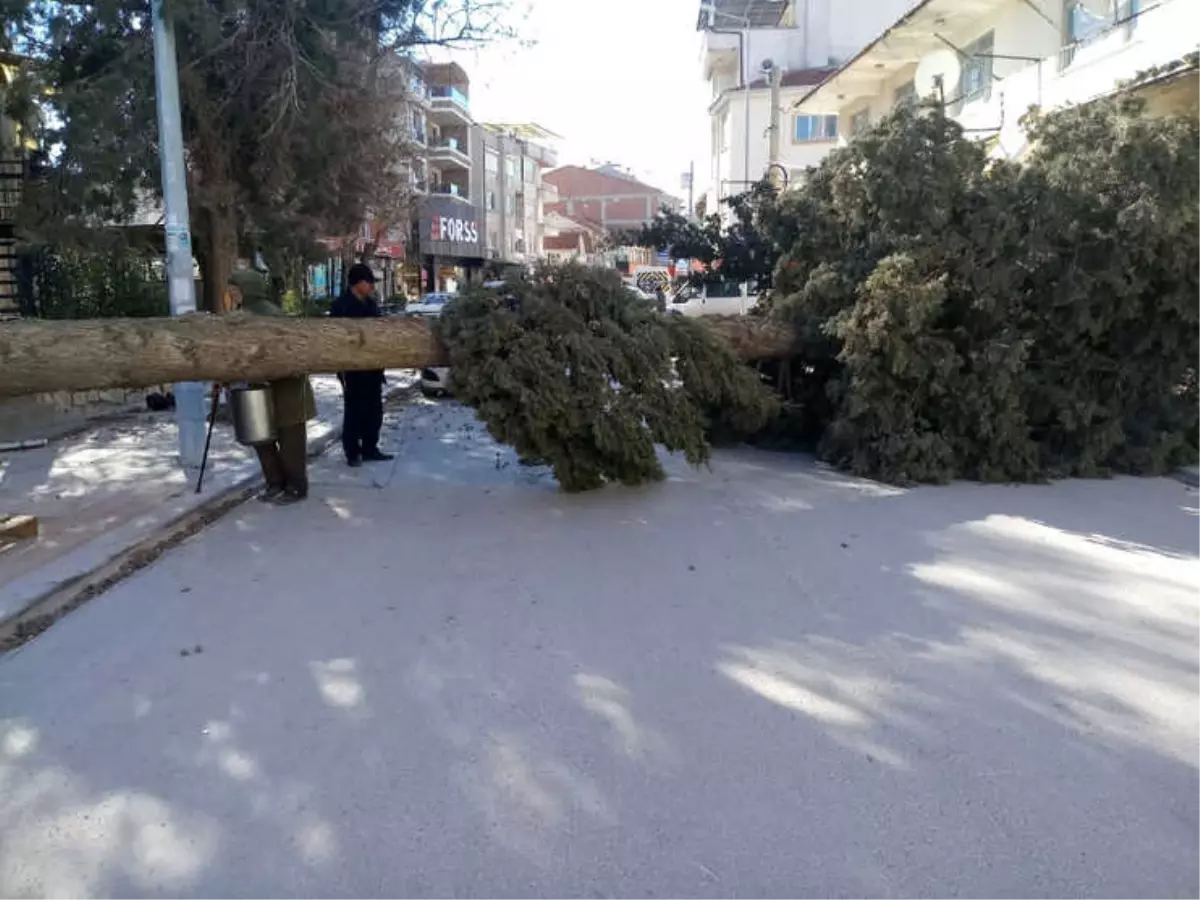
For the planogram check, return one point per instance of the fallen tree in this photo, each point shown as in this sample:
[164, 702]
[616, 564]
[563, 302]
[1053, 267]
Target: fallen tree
[41, 356]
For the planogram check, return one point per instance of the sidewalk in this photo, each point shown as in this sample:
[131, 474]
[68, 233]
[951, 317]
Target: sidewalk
[102, 491]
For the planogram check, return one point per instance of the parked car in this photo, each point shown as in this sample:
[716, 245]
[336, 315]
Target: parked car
[434, 380]
[716, 298]
[429, 304]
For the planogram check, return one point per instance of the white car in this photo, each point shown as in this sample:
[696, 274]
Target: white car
[429, 304]
[724, 298]
[639, 293]
[434, 379]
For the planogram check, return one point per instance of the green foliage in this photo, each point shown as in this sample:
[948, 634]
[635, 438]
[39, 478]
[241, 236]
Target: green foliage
[574, 371]
[288, 113]
[964, 317]
[67, 284]
[738, 246]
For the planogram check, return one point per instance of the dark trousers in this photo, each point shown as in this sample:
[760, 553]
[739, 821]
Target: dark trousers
[362, 416]
[285, 461]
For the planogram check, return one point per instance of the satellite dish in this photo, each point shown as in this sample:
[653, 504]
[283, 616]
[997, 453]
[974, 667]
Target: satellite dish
[938, 73]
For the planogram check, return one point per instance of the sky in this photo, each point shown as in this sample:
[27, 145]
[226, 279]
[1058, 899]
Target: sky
[619, 80]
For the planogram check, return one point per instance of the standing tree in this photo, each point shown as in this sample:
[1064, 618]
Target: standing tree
[736, 247]
[291, 115]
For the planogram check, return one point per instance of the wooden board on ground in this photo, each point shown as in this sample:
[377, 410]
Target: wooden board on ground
[17, 528]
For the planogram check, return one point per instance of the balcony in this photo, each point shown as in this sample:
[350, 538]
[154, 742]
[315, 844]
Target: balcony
[449, 189]
[449, 151]
[1081, 72]
[449, 104]
[718, 50]
[448, 92]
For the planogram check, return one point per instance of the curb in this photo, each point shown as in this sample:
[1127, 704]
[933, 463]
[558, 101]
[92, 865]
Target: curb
[43, 611]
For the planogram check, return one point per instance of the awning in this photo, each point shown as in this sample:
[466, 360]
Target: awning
[916, 34]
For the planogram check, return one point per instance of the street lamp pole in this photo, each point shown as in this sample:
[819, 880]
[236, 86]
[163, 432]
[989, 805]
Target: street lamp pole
[189, 396]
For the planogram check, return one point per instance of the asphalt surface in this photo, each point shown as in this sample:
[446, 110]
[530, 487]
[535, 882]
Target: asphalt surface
[445, 678]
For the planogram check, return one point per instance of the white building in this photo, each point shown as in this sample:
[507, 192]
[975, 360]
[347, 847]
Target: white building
[806, 40]
[1015, 54]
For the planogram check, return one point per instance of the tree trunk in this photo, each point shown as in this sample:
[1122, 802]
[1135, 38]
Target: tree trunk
[216, 260]
[39, 356]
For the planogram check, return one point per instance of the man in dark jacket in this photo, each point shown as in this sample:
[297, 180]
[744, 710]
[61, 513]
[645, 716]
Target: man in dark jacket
[362, 392]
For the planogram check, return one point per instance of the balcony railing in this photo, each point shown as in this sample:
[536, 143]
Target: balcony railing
[449, 188]
[449, 143]
[446, 92]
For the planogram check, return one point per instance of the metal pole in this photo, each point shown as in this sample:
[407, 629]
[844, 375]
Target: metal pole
[745, 76]
[189, 396]
[775, 76]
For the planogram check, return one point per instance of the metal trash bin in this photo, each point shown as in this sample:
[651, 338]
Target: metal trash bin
[253, 415]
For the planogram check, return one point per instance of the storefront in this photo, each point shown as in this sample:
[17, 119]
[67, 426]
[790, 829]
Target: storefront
[449, 240]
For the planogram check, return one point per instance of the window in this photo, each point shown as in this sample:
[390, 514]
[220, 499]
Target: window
[905, 95]
[860, 122]
[510, 203]
[492, 161]
[529, 169]
[510, 166]
[491, 201]
[1081, 24]
[977, 68]
[814, 128]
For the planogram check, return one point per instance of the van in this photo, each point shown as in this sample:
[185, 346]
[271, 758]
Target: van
[714, 298]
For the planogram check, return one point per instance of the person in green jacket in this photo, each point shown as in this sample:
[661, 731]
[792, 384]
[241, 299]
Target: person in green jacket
[284, 462]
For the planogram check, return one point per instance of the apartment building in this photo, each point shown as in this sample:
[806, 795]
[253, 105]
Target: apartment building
[804, 41]
[477, 187]
[1006, 56]
[515, 156]
[606, 195]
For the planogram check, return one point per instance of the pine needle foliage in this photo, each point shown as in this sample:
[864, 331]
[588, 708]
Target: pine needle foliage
[574, 371]
[965, 317]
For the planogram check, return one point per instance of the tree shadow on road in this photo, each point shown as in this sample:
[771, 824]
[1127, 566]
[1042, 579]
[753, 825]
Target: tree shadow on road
[766, 680]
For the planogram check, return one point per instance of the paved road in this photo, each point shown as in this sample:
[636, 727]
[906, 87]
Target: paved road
[449, 679]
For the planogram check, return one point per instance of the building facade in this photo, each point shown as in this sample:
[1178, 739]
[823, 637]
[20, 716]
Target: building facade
[515, 157]
[606, 196]
[570, 239]
[805, 41]
[477, 187]
[1016, 54]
